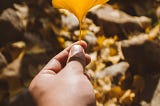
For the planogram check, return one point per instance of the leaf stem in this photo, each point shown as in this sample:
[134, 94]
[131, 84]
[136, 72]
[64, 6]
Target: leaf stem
[80, 28]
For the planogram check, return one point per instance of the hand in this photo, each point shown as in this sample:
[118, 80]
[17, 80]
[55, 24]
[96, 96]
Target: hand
[62, 81]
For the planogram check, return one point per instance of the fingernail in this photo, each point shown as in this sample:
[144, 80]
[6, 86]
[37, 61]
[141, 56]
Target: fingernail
[77, 54]
[76, 49]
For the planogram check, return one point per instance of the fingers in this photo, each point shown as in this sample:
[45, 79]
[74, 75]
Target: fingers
[63, 56]
[88, 59]
[58, 62]
[77, 60]
[82, 43]
[77, 54]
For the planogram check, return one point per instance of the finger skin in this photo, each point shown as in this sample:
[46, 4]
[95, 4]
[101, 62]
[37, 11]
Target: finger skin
[88, 59]
[59, 61]
[76, 60]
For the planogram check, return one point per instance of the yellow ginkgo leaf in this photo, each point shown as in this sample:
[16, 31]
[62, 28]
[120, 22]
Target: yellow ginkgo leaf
[78, 7]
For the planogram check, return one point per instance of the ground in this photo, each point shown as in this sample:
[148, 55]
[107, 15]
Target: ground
[123, 41]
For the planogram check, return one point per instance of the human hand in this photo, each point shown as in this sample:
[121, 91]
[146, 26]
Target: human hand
[62, 81]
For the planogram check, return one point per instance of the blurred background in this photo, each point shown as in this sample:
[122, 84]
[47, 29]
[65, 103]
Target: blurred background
[123, 39]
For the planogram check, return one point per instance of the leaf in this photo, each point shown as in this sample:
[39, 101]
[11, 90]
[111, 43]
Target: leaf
[127, 98]
[78, 7]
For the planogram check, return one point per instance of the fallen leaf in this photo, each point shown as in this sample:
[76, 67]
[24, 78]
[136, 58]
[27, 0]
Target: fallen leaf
[127, 97]
[115, 92]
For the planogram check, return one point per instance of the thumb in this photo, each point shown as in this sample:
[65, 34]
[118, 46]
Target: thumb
[76, 59]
